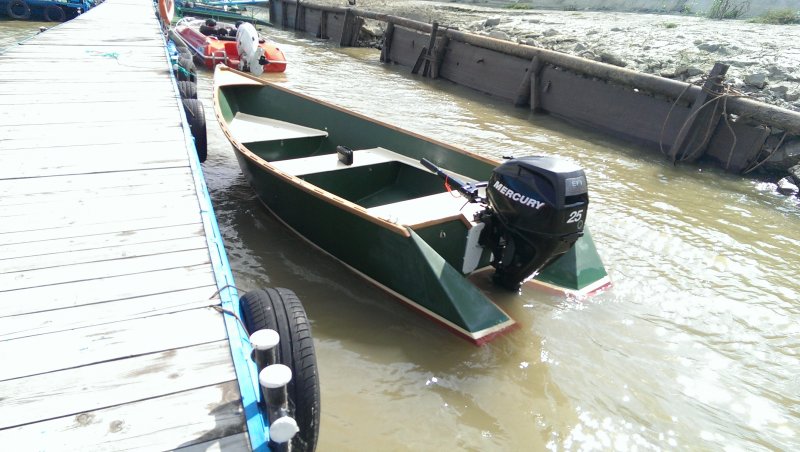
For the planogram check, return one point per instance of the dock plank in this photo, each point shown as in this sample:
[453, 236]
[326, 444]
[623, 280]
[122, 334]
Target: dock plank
[94, 344]
[98, 226]
[73, 391]
[99, 241]
[75, 113]
[82, 293]
[176, 421]
[98, 270]
[175, 206]
[24, 191]
[88, 159]
[55, 320]
[233, 443]
[105, 254]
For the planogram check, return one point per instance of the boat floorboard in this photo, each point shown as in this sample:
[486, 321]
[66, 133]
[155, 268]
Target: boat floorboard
[111, 336]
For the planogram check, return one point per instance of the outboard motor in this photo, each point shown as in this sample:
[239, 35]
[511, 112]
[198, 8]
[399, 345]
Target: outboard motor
[536, 211]
[251, 55]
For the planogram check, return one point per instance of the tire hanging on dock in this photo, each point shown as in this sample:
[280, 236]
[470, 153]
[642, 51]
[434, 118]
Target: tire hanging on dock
[195, 115]
[281, 310]
[187, 89]
[53, 13]
[18, 9]
[186, 69]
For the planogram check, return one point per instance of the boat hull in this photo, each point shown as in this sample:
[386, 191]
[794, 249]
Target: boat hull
[403, 265]
[212, 50]
[417, 261]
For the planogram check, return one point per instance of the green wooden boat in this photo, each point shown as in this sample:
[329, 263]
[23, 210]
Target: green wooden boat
[408, 213]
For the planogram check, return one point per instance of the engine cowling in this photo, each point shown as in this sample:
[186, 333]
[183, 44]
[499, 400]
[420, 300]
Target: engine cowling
[536, 212]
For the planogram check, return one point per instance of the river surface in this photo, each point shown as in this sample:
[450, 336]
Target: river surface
[696, 346]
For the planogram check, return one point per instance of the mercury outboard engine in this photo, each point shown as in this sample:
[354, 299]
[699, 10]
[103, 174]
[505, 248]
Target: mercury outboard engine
[536, 209]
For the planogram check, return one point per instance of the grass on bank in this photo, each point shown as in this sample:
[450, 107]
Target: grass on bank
[728, 9]
[519, 6]
[779, 17]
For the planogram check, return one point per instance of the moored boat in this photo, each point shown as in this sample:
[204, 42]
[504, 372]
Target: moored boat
[238, 45]
[408, 213]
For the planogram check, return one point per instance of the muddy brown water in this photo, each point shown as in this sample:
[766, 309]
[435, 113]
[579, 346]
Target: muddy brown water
[695, 347]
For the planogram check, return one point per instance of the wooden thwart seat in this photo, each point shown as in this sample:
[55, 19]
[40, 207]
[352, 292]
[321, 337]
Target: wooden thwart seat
[330, 162]
[427, 210]
[252, 129]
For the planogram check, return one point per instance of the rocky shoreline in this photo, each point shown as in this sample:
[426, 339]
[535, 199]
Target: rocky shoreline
[762, 58]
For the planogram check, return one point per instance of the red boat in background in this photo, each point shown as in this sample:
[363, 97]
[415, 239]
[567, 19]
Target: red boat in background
[236, 45]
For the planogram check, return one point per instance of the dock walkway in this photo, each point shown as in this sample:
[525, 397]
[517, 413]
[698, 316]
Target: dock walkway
[111, 336]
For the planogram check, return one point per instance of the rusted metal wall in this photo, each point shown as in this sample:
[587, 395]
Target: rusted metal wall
[684, 121]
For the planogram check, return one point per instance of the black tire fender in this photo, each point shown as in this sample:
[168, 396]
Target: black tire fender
[187, 89]
[196, 116]
[18, 9]
[186, 63]
[281, 310]
[53, 13]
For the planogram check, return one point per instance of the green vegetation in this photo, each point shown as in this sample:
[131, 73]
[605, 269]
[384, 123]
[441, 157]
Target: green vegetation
[519, 5]
[779, 17]
[670, 25]
[728, 9]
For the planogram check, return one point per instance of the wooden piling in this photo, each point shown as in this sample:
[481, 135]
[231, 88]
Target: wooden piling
[297, 9]
[527, 90]
[386, 51]
[429, 51]
[703, 118]
[322, 32]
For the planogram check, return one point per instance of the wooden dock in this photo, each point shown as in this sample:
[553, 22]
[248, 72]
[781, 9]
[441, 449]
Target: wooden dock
[111, 332]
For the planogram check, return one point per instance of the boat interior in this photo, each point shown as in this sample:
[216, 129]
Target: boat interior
[387, 184]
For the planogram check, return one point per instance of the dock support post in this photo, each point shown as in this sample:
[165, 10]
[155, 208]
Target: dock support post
[322, 33]
[264, 343]
[350, 29]
[273, 380]
[431, 43]
[695, 133]
[438, 56]
[284, 15]
[426, 56]
[387, 43]
[527, 92]
[297, 8]
[273, 17]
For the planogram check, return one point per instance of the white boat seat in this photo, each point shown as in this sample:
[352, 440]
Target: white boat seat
[251, 129]
[427, 210]
[330, 162]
